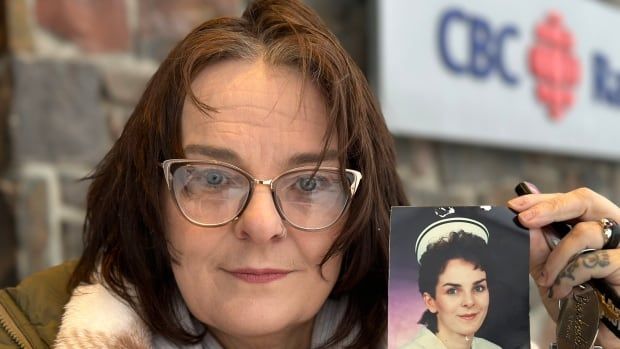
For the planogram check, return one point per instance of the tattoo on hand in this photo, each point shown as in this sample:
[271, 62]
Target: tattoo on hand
[568, 272]
[596, 259]
[589, 261]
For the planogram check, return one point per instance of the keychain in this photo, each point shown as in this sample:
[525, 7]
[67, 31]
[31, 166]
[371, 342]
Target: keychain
[579, 317]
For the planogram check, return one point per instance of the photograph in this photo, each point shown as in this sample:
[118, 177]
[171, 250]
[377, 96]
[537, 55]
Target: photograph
[458, 278]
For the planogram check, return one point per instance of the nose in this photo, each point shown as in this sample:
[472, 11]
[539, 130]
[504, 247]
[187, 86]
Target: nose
[468, 300]
[260, 221]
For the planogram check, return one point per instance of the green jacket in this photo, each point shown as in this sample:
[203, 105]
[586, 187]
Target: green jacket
[30, 313]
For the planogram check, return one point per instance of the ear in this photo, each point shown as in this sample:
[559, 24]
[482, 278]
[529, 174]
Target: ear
[429, 302]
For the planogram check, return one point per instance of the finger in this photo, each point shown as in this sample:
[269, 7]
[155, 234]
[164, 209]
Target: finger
[593, 265]
[558, 208]
[584, 235]
[522, 203]
[551, 305]
[606, 338]
[583, 204]
[539, 250]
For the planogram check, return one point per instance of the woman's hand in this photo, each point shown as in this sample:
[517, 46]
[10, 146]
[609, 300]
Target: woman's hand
[557, 271]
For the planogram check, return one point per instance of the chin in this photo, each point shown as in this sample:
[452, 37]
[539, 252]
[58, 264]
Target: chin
[470, 332]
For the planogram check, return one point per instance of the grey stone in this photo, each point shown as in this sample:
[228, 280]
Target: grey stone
[72, 240]
[123, 84]
[73, 191]
[117, 118]
[552, 173]
[162, 23]
[33, 225]
[497, 193]
[58, 113]
[417, 164]
[457, 196]
[438, 173]
[543, 171]
[596, 175]
[473, 165]
[422, 163]
[156, 47]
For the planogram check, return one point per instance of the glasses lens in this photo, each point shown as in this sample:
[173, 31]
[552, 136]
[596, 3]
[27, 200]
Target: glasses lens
[312, 199]
[209, 194]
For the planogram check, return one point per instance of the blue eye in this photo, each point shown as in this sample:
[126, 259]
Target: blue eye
[214, 178]
[210, 180]
[307, 183]
[480, 288]
[203, 182]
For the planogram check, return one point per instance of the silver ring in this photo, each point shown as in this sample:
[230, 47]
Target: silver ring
[611, 233]
[606, 224]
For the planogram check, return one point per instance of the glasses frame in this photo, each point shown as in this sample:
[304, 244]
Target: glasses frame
[167, 165]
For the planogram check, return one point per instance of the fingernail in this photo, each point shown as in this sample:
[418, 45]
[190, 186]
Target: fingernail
[533, 188]
[515, 201]
[528, 215]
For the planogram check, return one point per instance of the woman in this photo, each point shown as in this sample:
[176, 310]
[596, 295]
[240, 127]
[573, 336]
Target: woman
[246, 204]
[453, 283]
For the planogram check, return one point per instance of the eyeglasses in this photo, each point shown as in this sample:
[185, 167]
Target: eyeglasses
[213, 193]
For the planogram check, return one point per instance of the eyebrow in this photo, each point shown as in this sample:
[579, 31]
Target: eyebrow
[216, 153]
[459, 285]
[300, 159]
[229, 155]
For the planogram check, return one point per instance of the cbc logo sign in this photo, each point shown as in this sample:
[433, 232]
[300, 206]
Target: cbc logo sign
[552, 64]
[556, 69]
[486, 46]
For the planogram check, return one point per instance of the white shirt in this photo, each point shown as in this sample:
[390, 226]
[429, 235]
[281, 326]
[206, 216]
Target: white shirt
[425, 339]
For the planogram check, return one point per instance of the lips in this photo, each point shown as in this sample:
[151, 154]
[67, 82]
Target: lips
[468, 317]
[259, 276]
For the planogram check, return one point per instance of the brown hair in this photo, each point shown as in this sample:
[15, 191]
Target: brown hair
[124, 233]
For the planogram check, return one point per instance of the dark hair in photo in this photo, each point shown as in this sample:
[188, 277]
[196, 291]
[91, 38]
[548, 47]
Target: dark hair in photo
[459, 245]
[124, 239]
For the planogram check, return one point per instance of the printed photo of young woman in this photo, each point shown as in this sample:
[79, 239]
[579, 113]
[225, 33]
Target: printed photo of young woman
[458, 279]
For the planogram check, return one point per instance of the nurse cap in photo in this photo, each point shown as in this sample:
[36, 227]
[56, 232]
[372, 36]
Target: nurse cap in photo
[441, 230]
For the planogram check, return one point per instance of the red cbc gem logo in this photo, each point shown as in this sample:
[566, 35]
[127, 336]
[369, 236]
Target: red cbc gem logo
[556, 70]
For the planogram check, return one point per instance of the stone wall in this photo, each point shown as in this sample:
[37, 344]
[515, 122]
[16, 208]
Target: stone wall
[8, 239]
[73, 76]
[437, 173]
[75, 71]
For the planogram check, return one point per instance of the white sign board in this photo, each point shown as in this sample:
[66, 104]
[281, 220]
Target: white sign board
[540, 75]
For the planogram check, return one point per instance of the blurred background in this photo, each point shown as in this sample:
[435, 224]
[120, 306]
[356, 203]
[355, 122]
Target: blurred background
[479, 94]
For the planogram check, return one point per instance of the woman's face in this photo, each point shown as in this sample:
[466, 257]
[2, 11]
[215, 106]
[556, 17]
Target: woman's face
[461, 298]
[247, 278]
